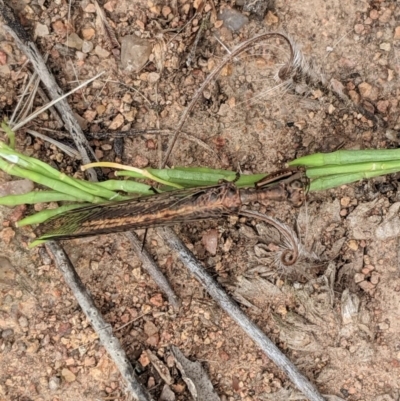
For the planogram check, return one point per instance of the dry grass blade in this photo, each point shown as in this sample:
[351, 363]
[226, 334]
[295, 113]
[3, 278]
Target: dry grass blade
[244, 47]
[65, 148]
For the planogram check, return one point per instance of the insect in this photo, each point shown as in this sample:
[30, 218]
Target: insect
[170, 208]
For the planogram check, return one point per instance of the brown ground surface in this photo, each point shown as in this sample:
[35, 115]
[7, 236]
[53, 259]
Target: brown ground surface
[47, 349]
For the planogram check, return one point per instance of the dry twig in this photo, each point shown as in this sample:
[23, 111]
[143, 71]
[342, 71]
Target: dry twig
[23, 41]
[103, 329]
[231, 308]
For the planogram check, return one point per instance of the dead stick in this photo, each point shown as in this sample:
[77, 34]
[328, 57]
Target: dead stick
[116, 352]
[231, 308]
[29, 48]
[103, 329]
[152, 269]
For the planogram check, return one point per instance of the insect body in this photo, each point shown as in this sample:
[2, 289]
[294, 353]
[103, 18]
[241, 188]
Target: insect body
[168, 208]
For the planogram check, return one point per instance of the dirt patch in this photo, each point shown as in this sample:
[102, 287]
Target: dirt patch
[336, 319]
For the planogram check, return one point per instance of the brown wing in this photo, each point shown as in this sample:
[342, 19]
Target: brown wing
[157, 210]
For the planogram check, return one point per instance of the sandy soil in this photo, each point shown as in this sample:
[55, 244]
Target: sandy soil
[337, 319]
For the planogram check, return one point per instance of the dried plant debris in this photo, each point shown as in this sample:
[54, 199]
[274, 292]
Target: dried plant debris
[195, 377]
[258, 7]
[159, 367]
[106, 29]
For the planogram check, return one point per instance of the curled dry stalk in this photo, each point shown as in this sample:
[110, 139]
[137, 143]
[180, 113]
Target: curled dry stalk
[228, 58]
[296, 70]
[291, 248]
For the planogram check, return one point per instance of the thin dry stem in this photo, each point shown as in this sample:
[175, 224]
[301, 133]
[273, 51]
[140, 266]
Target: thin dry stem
[227, 59]
[231, 308]
[101, 327]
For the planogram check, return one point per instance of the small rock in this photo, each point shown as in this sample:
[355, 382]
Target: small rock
[383, 106]
[33, 347]
[232, 19]
[358, 277]
[385, 46]
[7, 234]
[110, 6]
[153, 77]
[271, 18]
[354, 96]
[87, 47]
[157, 300]
[385, 17]
[7, 333]
[59, 28]
[345, 201]
[375, 278]
[396, 35]
[23, 321]
[366, 286]
[68, 376]
[41, 30]
[54, 383]
[74, 41]
[353, 245]
[210, 241]
[150, 328]
[18, 187]
[365, 89]
[167, 394]
[88, 33]
[106, 146]
[374, 14]
[103, 53]
[117, 122]
[135, 52]
[140, 161]
[144, 359]
[90, 8]
[358, 28]
[383, 326]
[165, 11]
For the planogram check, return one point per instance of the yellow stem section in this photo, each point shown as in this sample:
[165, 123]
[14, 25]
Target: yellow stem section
[145, 173]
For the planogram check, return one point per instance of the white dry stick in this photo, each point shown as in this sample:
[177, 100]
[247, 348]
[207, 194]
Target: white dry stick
[101, 327]
[21, 38]
[103, 330]
[152, 269]
[232, 309]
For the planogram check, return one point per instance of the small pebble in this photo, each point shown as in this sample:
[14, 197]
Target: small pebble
[54, 383]
[7, 333]
[210, 241]
[385, 46]
[233, 19]
[87, 47]
[74, 41]
[358, 277]
[23, 321]
[135, 52]
[41, 30]
[374, 278]
[103, 53]
[353, 245]
[68, 376]
[153, 77]
[358, 28]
